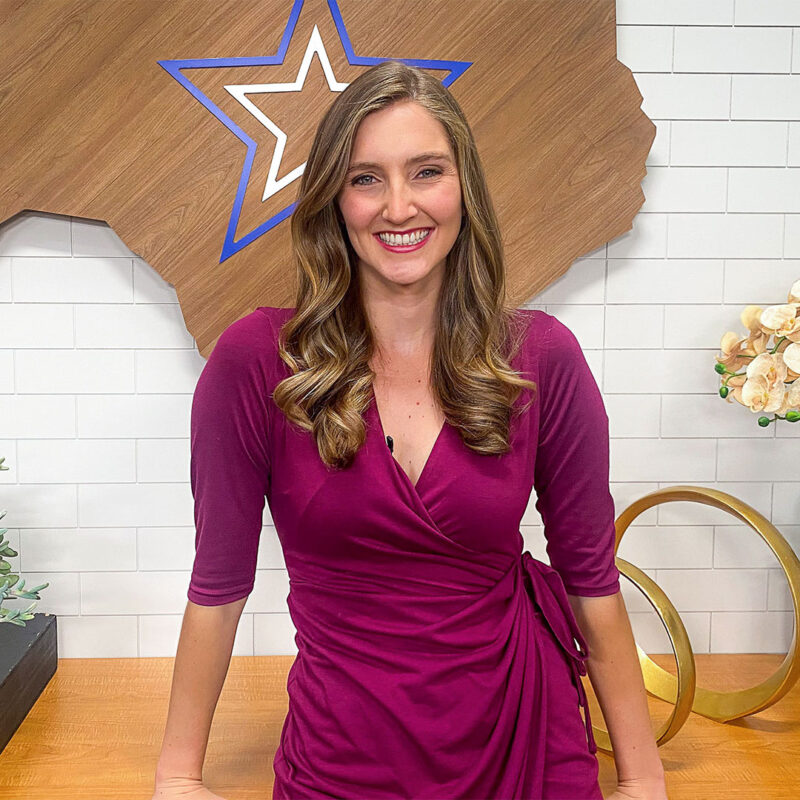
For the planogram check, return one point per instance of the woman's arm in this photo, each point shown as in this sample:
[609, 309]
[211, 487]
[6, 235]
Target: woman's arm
[571, 478]
[616, 676]
[201, 664]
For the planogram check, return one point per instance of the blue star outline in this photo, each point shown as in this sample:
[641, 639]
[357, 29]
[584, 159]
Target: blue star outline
[174, 66]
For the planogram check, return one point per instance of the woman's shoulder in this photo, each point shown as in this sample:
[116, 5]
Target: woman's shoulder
[276, 315]
[251, 342]
[545, 333]
[551, 349]
[537, 319]
[255, 328]
[537, 329]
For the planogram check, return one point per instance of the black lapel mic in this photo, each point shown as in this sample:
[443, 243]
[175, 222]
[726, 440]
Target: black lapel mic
[390, 442]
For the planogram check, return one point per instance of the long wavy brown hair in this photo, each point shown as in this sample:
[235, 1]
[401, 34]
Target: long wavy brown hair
[328, 343]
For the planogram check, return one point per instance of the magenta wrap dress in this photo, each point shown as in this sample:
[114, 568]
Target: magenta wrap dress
[436, 660]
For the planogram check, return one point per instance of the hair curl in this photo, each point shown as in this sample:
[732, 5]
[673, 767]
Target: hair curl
[328, 344]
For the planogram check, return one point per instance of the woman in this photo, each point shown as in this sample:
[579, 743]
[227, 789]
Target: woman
[435, 659]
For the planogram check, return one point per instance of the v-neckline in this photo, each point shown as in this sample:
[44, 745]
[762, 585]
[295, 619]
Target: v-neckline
[398, 465]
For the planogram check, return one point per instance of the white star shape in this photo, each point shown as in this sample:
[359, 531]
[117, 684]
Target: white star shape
[240, 92]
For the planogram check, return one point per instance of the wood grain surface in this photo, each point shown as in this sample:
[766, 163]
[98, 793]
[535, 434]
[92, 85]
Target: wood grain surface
[95, 734]
[94, 127]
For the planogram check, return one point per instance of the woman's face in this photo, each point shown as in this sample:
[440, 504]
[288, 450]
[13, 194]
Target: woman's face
[395, 184]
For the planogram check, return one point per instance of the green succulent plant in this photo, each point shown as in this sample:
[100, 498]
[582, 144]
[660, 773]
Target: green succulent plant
[11, 587]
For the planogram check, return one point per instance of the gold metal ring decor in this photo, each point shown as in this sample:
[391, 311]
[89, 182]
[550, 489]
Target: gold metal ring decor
[683, 691]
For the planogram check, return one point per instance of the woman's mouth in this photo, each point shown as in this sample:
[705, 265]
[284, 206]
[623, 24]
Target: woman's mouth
[404, 248]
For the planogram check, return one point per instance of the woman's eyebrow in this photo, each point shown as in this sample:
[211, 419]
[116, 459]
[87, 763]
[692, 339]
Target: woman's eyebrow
[433, 156]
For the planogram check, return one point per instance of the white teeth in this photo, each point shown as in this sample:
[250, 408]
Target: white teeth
[405, 239]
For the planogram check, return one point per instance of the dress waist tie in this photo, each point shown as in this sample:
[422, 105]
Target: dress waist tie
[546, 588]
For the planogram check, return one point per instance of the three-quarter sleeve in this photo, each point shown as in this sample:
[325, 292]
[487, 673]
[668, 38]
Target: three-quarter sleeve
[229, 466]
[571, 473]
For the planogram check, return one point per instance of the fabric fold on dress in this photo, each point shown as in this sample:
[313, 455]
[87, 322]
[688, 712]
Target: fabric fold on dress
[546, 588]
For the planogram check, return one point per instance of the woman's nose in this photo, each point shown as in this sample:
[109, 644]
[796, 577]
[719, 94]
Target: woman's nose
[400, 203]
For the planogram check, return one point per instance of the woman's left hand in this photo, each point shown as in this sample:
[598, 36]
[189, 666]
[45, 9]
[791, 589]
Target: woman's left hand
[640, 789]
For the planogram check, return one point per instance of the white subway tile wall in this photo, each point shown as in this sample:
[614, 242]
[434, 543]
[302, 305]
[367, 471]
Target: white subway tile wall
[97, 370]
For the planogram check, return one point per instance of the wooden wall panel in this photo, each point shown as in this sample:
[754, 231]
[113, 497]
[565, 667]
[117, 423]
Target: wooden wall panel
[94, 125]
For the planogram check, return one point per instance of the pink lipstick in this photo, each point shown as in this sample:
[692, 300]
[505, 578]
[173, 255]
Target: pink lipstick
[408, 248]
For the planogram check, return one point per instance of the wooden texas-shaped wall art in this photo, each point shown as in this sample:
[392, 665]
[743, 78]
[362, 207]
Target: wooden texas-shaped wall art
[158, 119]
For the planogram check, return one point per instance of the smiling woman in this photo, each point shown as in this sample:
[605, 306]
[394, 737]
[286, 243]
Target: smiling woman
[400, 274]
[435, 658]
[406, 198]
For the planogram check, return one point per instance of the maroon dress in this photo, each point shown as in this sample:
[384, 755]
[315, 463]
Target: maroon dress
[435, 659]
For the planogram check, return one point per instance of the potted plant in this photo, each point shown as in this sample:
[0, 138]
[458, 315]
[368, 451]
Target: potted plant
[28, 645]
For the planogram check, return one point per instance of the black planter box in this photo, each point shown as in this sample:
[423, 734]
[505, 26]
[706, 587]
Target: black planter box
[28, 659]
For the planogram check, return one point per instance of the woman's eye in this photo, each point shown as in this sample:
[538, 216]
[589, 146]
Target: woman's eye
[358, 181]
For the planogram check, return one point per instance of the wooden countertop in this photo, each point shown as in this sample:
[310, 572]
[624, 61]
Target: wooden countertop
[96, 731]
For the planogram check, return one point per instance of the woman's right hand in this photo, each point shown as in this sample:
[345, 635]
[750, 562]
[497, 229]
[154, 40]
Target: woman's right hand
[183, 789]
